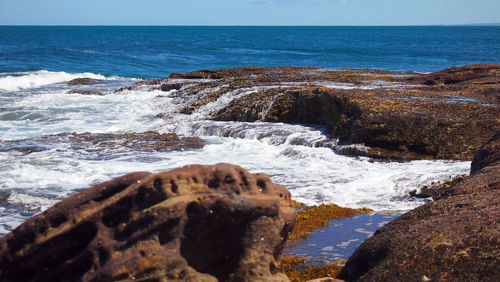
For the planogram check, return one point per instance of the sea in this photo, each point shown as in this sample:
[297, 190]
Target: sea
[39, 166]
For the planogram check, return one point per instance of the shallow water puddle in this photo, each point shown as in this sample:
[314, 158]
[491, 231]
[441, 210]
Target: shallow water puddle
[339, 240]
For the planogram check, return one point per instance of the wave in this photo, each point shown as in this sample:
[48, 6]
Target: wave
[33, 79]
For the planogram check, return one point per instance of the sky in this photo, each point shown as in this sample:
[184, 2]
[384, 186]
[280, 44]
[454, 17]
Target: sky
[248, 12]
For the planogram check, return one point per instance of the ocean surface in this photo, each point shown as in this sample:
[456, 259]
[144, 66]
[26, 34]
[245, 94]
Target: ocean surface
[40, 166]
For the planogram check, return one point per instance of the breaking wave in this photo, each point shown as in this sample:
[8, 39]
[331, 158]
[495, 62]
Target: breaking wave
[34, 79]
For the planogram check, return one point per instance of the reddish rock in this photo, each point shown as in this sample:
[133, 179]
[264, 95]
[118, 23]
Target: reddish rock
[488, 155]
[197, 223]
[454, 238]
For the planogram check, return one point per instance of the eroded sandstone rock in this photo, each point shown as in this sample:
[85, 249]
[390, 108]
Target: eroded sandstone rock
[197, 223]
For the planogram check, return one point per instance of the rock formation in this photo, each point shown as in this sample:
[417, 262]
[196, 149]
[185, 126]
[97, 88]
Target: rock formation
[400, 116]
[488, 155]
[197, 223]
[82, 80]
[476, 74]
[149, 141]
[456, 237]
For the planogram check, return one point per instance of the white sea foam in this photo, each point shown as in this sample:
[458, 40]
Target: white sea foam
[288, 153]
[313, 175]
[364, 231]
[19, 206]
[346, 243]
[376, 84]
[30, 200]
[57, 112]
[26, 80]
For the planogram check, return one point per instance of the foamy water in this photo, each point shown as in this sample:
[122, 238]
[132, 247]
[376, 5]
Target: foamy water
[25, 80]
[290, 154]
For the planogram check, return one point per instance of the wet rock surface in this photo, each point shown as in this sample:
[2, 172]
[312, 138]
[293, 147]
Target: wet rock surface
[399, 116]
[146, 141]
[86, 92]
[82, 81]
[197, 223]
[455, 237]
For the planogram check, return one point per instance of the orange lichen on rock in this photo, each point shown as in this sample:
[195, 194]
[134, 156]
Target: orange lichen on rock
[300, 269]
[312, 218]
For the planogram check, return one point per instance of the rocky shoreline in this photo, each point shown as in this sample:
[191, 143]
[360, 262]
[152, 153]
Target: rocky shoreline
[443, 115]
[145, 141]
[456, 237]
[209, 223]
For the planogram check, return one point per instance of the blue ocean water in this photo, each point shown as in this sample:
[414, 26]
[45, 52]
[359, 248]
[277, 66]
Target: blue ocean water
[39, 110]
[148, 52]
[340, 238]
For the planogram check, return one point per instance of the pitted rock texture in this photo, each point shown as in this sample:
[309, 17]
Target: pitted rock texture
[454, 238]
[197, 223]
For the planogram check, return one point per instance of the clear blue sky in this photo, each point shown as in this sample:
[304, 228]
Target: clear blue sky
[248, 12]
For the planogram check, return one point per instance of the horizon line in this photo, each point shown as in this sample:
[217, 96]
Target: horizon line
[245, 25]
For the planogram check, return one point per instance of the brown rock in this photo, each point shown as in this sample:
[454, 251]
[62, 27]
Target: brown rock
[149, 141]
[199, 74]
[488, 155]
[172, 86]
[86, 92]
[478, 73]
[456, 237]
[443, 115]
[82, 80]
[326, 279]
[197, 223]
[313, 106]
